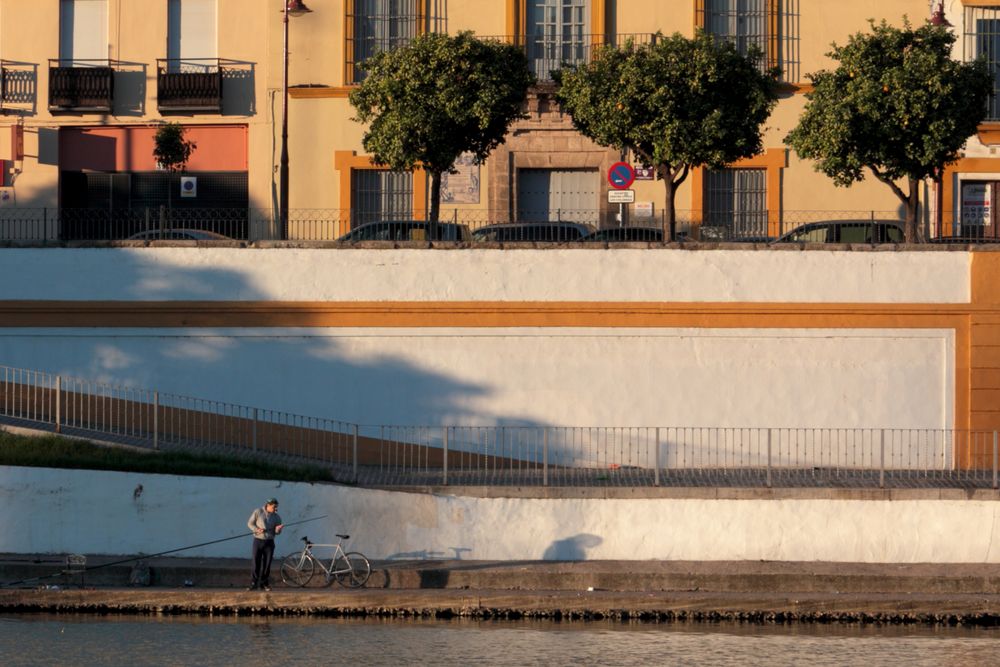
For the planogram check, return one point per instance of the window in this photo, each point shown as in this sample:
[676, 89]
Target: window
[770, 25]
[83, 32]
[743, 22]
[736, 199]
[378, 196]
[982, 39]
[556, 34]
[381, 25]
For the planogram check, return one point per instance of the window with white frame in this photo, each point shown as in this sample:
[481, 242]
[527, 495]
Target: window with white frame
[736, 200]
[743, 22]
[557, 34]
[382, 25]
[982, 40]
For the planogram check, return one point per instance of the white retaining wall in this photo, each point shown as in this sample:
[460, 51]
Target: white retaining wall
[66, 511]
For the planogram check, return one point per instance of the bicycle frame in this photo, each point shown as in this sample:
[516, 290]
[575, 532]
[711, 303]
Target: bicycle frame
[338, 551]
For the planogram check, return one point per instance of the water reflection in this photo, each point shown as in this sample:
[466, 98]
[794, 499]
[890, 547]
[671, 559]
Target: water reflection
[117, 640]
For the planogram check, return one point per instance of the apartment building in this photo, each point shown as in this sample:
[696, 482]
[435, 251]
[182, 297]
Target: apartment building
[86, 83]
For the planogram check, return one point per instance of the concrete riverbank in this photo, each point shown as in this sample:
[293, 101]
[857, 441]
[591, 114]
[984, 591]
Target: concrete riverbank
[754, 591]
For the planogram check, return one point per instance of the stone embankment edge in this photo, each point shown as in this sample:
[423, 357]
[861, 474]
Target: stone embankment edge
[679, 606]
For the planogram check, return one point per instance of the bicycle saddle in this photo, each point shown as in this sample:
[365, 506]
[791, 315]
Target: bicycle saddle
[343, 537]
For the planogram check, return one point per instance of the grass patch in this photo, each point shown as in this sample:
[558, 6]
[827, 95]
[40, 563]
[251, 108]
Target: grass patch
[52, 451]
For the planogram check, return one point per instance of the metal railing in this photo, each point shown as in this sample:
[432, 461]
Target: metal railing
[189, 84]
[385, 455]
[80, 85]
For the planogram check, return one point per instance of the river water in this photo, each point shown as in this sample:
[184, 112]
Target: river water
[85, 640]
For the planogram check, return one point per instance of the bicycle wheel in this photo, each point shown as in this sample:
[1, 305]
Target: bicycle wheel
[352, 570]
[297, 569]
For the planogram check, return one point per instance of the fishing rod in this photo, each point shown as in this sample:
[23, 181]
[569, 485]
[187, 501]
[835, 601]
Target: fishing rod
[147, 556]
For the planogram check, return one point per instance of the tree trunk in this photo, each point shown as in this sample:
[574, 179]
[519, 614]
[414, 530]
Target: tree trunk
[669, 212]
[911, 232]
[435, 196]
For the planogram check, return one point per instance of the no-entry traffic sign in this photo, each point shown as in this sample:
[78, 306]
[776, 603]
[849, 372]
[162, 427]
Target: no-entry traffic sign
[621, 176]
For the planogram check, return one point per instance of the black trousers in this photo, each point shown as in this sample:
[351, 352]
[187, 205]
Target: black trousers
[263, 554]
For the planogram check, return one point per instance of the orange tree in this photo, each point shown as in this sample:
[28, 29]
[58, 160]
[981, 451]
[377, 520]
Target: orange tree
[677, 103]
[896, 104]
[428, 102]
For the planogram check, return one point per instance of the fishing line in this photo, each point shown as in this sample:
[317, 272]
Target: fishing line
[147, 556]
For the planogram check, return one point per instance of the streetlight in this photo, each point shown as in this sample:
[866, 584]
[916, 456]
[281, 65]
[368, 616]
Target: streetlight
[292, 8]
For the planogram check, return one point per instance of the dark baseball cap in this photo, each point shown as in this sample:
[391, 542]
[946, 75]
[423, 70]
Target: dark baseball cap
[272, 501]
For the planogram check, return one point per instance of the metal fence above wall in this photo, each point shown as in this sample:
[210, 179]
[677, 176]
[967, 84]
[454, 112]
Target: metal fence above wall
[536, 455]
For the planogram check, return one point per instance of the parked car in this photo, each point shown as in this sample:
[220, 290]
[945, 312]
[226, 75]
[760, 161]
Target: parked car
[532, 231]
[408, 230]
[725, 234]
[178, 235]
[845, 231]
[626, 234]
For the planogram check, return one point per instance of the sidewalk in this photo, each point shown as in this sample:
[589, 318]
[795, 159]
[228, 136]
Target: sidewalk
[653, 590]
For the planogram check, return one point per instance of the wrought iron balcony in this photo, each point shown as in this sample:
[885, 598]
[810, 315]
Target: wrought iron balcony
[81, 85]
[189, 84]
[549, 52]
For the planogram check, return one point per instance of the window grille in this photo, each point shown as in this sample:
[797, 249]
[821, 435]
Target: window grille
[557, 34]
[743, 22]
[382, 25]
[736, 199]
[982, 39]
[379, 196]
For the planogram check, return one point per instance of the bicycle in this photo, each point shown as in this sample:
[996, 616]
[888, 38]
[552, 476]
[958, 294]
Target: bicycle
[351, 569]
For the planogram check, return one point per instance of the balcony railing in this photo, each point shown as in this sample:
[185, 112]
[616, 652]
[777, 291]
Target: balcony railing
[81, 85]
[189, 84]
[547, 53]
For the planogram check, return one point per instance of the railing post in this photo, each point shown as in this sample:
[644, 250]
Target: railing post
[253, 432]
[994, 460]
[545, 457]
[881, 462]
[58, 416]
[656, 460]
[354, 451]
[769, 458]
[444, 464]
[156, 420]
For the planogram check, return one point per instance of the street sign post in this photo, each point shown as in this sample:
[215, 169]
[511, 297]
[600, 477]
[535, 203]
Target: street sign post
[621, 176]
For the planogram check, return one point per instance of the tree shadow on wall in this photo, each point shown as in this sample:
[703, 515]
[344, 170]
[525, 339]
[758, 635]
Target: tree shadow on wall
[572, 548]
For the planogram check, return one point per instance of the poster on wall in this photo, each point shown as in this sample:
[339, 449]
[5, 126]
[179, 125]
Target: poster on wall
[461, 187]
[189, 186]
[977, 204]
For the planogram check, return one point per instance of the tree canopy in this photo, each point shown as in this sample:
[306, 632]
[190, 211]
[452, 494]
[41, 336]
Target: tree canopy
[170, 148]
[675, 102]
[896, 104]
[428, 102]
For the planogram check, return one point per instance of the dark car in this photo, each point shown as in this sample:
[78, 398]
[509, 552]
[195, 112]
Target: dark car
[532, 231]
[845, 231]
[178, 235]
[722, 233]
[626, 234]
[408, 230]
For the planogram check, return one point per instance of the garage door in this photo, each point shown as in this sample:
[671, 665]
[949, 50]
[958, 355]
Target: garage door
[558, 194]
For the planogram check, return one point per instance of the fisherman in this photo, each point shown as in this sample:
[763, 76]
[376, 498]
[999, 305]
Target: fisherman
[265, 524]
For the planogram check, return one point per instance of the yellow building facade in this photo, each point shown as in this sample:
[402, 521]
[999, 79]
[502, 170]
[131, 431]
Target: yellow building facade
[86, 84]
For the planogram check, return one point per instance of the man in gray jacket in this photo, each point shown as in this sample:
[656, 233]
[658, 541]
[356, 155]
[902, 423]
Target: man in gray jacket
[265, 524]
